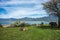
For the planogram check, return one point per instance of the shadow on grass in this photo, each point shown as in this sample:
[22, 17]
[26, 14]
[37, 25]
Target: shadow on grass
[49, 27]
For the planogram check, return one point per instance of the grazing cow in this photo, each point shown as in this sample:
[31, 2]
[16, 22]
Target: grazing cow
[23, 28]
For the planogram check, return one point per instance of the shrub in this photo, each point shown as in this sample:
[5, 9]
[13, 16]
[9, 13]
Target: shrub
[16, 24]
[19, 24]
[1, 25]
[42, 24]
[24, 24]
[53, 24]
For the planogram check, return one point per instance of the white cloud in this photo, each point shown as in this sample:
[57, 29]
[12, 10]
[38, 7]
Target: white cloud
[18, 12]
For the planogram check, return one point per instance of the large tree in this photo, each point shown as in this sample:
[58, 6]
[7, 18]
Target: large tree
[53, 7]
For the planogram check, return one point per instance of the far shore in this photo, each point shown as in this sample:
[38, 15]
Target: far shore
[5, 25]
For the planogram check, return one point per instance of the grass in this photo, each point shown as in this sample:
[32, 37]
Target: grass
[33, 33]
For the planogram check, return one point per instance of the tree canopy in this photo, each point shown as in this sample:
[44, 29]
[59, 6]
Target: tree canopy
[53, 7]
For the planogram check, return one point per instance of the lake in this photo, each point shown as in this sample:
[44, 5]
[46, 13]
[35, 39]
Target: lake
[29, 22]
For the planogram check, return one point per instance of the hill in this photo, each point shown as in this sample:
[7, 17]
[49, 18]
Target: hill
[48, 19]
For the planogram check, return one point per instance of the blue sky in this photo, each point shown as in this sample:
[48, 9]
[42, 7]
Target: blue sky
[22, 8]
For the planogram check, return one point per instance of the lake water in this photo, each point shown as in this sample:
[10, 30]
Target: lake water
[29, 22]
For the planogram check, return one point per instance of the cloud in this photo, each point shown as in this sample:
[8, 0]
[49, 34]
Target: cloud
[22, 8]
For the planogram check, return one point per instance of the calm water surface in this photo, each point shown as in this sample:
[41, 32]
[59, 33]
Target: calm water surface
[29, 22]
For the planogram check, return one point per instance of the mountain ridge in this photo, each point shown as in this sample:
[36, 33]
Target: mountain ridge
[48, 18]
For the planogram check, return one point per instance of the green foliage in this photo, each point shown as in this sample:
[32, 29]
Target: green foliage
[24, 24]
[19, 24]
[42, 24]
[53, 24]
[53, 8]
[1, 25]
[16, 23]
[33, 24]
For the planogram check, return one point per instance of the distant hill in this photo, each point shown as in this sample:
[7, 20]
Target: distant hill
[7, 19]
[48, 19]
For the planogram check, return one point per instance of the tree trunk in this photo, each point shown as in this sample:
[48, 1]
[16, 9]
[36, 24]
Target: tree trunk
[59, 22]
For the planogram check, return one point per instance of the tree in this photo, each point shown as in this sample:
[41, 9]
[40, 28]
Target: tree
[16, 23]
[52, 7]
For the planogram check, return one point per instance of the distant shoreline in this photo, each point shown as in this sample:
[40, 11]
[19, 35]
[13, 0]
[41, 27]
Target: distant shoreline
[6, 25]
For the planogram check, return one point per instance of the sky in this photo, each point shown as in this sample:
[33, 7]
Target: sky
[22, 8]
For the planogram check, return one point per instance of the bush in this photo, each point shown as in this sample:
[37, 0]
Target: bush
[19, 24]
[1, 25]
[42, 24]
[24, 24]
[15, 24]
[53, 24]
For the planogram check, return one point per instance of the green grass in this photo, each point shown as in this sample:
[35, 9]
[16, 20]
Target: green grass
[33, 33]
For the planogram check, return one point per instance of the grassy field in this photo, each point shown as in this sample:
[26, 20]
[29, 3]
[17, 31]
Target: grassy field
[33, 33]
